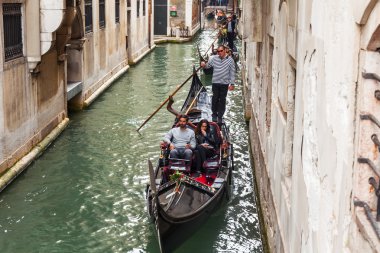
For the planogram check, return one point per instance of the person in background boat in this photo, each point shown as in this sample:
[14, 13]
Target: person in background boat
[181, 140]
[205, 143]
[223, 79]
[230, 32]
[220, 17]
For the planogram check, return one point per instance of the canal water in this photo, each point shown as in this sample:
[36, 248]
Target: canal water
[86, 193]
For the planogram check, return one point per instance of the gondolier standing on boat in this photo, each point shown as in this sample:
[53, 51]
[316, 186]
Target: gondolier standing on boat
[231, 32]
[223, 79]
[181, 140]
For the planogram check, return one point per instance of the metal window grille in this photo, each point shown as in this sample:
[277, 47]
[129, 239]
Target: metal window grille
[144, 3]
[12, 19]
[102, 13]
[117, 11]
[88, 16]
[138, 8]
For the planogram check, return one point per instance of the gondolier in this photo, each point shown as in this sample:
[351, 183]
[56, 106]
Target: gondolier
[223, 79]
[231, 32]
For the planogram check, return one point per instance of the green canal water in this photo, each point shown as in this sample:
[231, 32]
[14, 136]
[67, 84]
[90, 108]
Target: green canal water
[86, 193]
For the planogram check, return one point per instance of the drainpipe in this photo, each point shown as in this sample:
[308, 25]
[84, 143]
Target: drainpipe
[33, 50]
[150, 23]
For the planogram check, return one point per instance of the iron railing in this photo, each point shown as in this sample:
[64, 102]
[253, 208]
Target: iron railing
[375, 170]
[368, 213]
[12, 22]
[183, 32]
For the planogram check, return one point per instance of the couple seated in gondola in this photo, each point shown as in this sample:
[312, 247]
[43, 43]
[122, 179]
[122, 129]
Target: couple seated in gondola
[182, 141]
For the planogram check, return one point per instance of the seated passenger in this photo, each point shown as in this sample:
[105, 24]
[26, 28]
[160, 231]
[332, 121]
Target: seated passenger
[205, 143]
[181, 140]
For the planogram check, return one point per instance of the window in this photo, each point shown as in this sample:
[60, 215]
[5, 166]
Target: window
[12, 31]
[144, 3]
[138, 8]
[117, 11]
[128, 3]
[88, 15]
[102, 13]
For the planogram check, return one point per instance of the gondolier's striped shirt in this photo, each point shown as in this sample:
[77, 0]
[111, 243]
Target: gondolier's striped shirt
[224, 69]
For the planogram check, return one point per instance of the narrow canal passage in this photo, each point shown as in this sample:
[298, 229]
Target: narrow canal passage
[87, 192]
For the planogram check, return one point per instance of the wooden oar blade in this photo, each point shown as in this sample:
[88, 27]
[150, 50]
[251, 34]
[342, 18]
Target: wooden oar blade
[152, 177]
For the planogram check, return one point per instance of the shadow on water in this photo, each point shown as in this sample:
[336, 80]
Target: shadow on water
[87, 192]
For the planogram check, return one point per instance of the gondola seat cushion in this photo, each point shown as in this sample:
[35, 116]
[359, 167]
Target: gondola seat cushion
[179, 165]
[211, 164]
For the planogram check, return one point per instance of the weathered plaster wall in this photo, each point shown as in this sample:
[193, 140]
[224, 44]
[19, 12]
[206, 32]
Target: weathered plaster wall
[301, 66]
[32, 88]
[104, 51]
[139, 42]
[180, 20]
[187, 15]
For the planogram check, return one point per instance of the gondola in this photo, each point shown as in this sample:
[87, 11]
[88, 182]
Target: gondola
[179, 200]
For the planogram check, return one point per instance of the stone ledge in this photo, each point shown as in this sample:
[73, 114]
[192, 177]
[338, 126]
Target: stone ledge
[164, 39]
[24, 162]
[140, 57]
[104, 86]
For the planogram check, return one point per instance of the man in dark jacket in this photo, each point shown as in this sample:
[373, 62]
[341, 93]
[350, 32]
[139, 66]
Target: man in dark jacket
[230, 32]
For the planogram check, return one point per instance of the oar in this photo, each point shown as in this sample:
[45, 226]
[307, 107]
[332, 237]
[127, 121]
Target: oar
[166, 100]
[210, 46]
[152, 178]
[192, 102]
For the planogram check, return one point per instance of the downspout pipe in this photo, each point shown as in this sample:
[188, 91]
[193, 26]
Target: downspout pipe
[150, 23]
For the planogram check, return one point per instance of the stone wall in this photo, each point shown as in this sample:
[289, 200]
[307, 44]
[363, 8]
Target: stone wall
[32, 93]
[96, 57]
[140, 38]
[302, 64]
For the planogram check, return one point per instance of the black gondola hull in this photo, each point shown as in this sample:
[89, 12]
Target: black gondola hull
[174, 233]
